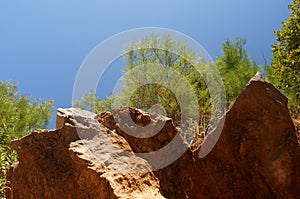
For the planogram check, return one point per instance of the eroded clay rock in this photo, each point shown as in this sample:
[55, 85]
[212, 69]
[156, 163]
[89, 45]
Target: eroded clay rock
[81, 159]
[257, 154]
[156, 139]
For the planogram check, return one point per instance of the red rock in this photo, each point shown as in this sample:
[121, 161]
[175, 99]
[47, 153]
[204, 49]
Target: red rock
[257, 154]
[58, 164]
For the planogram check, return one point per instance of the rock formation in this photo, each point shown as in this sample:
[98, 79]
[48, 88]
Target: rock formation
[111, 155]
[175, 176]
[81, 159]
[257, 154]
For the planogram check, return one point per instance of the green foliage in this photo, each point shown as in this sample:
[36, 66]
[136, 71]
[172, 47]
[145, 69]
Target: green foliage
[160, 71]
[91, 102]
[235, 67]
[18, 117]
[285, 66]
[155, 77]
[174, 73]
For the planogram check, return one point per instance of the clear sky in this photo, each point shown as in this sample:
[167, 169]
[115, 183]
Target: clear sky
[43, 43]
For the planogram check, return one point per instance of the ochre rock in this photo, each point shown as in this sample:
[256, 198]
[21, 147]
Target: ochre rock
[111, 156]
[173, 178]
[257, 154]
[81, 159]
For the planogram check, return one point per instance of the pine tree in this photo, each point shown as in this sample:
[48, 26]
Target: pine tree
[285, 65]
[18, 117]
[235, 67]
[160, 51]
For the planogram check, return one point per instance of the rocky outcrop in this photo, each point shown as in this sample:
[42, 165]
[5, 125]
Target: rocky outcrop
[172, 164]
[81, 159]
[133, 154]
[257, 154]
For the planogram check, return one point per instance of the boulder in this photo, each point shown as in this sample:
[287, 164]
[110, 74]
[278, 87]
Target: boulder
[129, 153]
[80, 159]
[257, 154]
[166, 150]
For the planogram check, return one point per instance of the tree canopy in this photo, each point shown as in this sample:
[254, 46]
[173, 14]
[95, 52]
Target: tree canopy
[91, 102]
[236, 67]
[284, 71]
[169, 61]
[18, 116]
[159, 77]
[149, 84]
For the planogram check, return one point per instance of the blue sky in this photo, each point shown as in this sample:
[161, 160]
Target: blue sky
[43, 43]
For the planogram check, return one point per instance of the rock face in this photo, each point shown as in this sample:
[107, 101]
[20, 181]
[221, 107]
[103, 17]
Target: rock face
[256, 156]
[172, 178]
[58, 164]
